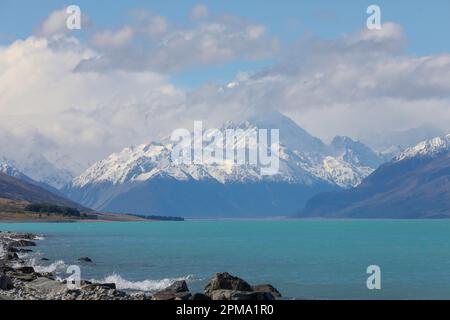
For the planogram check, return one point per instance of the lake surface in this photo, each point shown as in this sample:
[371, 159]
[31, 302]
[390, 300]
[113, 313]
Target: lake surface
[315, 259]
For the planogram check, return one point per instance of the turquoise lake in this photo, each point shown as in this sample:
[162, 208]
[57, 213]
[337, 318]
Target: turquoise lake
[313, 259]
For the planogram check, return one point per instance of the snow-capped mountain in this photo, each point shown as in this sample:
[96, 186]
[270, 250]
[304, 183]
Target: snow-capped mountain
[10, 170]
[416, 184]
[38, 168]
[305, 163]
[427, 148]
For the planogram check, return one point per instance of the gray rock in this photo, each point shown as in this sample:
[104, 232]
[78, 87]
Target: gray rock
[26, 277]
[267, 288]
[47, 286]
[225, 281]
[171, 295]
[178, 286]
[109, 285]
[12, 256]
[199, 297]
[240, 295]
[6, 283]
[22, 243]
[177, 291]
[25, 270]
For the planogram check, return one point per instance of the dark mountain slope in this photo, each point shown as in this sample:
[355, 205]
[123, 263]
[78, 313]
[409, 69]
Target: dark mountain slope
[417, 187]
[15, 189]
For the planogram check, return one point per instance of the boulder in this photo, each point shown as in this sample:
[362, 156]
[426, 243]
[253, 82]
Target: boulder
[199, 297]
[25, 277]
[25, 270]
[22, 243]
[47, 286]
[267, 288]
[240, 295]
[171, 295]
[12, 256]
[22, 250]
[177, 291]
[85, 259]
[108, 285]
[6, 283]
[178, 286]
[225, 281]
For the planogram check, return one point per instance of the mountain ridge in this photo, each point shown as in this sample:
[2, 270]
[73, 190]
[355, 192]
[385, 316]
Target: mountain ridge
[135, 168]
[416, 184]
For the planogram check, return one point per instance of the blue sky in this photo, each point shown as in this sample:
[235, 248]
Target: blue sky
[424, 23]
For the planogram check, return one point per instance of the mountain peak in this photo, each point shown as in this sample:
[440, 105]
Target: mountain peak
[426, 148]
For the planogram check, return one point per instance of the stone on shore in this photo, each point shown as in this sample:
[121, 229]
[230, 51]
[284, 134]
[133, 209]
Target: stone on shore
[6, 283]
[47, 286]
[12, 256]
[240, 295]
[22, 243]
[25, 270]
[177, 291]
[225, 281]
[224, 286]
[267, 288]
[199, 297]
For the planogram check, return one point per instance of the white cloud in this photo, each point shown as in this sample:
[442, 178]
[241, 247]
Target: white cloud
[363, 82]
[162, 46]
[354, 84]
[54, 24]
[85, 115]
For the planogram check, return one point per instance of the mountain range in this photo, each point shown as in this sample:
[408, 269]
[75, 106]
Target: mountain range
[416, 184]
[342, 179]
[143, 179]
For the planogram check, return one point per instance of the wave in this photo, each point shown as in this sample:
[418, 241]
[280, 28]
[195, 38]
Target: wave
[145, 285]
[56, 266]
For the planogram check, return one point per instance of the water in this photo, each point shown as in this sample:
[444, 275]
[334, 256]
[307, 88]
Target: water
[315, 259]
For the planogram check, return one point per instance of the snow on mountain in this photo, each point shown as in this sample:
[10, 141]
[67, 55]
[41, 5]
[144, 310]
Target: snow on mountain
[10, 170]
[143, 179]
[430, 148]
[38, 168]
[303, 160]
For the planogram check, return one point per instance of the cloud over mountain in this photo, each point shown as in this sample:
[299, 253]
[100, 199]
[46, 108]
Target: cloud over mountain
[80, 99]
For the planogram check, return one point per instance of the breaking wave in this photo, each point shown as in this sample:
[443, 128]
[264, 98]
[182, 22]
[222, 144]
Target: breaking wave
[57, 266]
[145, 285]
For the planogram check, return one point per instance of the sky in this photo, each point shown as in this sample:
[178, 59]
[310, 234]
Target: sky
[138, 69]
[288, 20]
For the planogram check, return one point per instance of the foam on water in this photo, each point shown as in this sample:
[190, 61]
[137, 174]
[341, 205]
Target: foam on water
[145, 285]
[56, 266]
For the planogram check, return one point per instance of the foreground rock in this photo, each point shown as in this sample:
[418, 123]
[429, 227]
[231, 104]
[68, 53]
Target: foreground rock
[224, 286]
[177, 291]
[267, 288]
[225, 281]
[6, 283]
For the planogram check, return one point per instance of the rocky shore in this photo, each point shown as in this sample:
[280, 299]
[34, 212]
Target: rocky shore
[19, 281]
